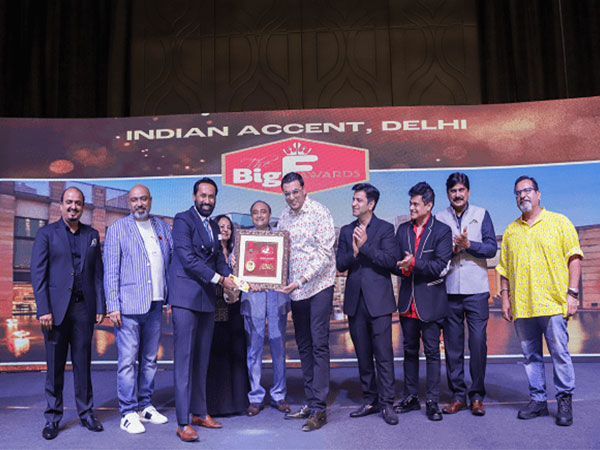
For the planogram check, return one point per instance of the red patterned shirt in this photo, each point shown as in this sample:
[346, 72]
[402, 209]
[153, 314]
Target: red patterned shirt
[312, 237]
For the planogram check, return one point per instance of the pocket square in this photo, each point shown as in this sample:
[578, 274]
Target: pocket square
[94, 242]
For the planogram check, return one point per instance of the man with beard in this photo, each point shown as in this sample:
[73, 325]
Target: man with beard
[137, 254]
[540, 269]
[198, 265]
[468, 290]
[66, 274]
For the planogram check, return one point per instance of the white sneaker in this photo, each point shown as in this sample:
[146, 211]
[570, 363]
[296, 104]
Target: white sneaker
[150, 414]
[131, 423]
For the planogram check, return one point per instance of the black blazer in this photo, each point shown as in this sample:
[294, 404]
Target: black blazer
[194, 263]
[369, 272]
[427, 281]
[53, 274]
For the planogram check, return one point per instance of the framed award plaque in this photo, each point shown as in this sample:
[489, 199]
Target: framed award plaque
[261, 257]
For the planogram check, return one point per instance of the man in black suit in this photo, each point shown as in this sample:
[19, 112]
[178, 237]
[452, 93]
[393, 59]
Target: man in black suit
[66, 274]
[368, 250]
[198, 265]
[425, 248]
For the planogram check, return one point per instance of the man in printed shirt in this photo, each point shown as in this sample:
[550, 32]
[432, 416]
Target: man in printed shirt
[540, 268]
[311, 280]
[137, 253]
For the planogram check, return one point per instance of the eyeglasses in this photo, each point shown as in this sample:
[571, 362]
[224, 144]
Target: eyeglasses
[526, 191]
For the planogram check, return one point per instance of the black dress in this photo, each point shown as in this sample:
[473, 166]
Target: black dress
[227, 383]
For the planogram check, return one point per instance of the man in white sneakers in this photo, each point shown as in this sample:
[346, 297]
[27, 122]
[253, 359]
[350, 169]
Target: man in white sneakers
[137, 253]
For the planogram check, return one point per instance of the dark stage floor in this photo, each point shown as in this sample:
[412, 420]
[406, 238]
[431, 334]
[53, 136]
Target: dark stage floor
[21, 419]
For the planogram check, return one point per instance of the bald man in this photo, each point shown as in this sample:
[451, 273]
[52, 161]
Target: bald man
[66, 274]
[137, 253]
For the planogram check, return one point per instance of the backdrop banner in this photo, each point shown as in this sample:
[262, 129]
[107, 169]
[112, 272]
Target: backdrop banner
[247, 153]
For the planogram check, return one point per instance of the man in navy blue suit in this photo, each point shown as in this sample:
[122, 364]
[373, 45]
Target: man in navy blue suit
[425, 248]
[368, 250]
[66, 274]
[196, 268]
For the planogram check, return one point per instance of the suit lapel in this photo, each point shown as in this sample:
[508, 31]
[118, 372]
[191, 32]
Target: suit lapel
[200, 227]
[83, 245]
[138, 236]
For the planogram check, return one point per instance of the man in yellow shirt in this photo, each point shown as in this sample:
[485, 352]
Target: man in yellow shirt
[540, 268]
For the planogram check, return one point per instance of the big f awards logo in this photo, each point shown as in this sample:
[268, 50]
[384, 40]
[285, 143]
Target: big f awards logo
[322, 165]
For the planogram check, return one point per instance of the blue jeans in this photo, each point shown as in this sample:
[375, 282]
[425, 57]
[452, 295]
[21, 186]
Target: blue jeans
[554, 328]
[137, 343]
[255, 338]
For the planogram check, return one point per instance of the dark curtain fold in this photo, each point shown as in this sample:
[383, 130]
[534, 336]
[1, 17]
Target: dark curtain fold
[71, 58]
[64, 58]
[539, 49]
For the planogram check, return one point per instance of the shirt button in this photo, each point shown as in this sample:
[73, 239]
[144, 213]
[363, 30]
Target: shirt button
[149, 281]
[148, 264]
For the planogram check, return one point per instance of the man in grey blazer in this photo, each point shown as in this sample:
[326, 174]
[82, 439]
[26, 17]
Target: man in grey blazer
[198, 265]
[137, 254]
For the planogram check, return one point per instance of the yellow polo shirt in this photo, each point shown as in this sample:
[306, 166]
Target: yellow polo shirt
[534, 258]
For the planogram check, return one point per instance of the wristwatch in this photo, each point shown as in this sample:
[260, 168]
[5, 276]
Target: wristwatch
[573, 293]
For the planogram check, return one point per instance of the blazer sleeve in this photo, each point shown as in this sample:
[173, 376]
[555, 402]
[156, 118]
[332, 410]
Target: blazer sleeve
[40, 257]
[437, 266]
[99, 276]
[345, 259]
[386, 254]
[193, 263]
[112, 268]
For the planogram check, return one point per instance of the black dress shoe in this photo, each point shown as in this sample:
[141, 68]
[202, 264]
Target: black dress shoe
[410, 403]
[365, 410]
[389, 415]
[302, 413]
[50, 430]
[91, 423]
[433, 411]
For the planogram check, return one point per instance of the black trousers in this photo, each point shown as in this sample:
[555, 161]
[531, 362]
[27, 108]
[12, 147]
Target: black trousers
[475, 309]
[192, 338]
[413, 330]
[311, 327]
[372, 337]
[76, 331]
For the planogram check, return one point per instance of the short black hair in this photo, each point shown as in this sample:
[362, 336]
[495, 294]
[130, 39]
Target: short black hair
[207, 181]
[456, 178]
[425, 191]
[292, 176]
[527, 177]
[370, 191]
[62, 195]
[230, 242]
[260, 201]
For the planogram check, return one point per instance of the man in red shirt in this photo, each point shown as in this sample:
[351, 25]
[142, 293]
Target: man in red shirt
[426, 249]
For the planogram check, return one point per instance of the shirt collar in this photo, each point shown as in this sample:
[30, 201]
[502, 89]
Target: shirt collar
[539, 218]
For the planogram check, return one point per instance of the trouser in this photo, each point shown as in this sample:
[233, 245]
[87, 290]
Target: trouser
[413, 330]
[76, 331]
[475, 309]
[372, 337]
[311, 326]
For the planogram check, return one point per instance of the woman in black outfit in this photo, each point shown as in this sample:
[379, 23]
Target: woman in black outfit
[227, 384]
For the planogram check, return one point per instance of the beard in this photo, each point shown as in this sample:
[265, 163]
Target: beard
[525, 206]
[141, 214]
[205, 209]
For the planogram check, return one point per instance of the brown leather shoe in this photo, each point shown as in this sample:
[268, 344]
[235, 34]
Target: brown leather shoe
[454, 407]
[281, 406]
[188, 434]
[477, 408]
[254, 408]
[207, 422]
